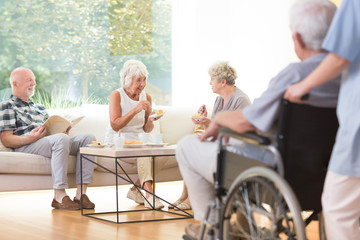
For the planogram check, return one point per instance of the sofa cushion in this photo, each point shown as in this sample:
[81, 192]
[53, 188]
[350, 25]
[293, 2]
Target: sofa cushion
[24, 163]
[176, 123]
[95, 121]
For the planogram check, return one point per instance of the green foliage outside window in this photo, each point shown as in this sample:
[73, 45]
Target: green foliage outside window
[130, 27]
[79, 46]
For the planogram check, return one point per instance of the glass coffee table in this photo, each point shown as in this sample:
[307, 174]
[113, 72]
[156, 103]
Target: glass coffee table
[114, 154]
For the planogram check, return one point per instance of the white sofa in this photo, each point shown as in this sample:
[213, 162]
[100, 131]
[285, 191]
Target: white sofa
[22, 171]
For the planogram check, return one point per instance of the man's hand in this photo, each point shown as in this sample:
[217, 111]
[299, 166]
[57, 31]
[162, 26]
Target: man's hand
[38, 133]
[211, 131]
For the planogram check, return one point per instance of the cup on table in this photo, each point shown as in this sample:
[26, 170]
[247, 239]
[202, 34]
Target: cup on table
[119, 141]
[157, 138]
[144, 137]
[127, 136]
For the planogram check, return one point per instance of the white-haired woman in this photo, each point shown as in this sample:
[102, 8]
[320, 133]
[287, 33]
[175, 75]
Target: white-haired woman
[222, 81]
[130, 108]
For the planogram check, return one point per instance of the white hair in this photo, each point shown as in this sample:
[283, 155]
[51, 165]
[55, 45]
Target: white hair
[130, 69]
[312, 19]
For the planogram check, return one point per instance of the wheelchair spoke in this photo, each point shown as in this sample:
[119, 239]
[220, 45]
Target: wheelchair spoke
[256, 210]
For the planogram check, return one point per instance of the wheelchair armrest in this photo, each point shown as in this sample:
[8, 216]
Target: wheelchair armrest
[261, 140]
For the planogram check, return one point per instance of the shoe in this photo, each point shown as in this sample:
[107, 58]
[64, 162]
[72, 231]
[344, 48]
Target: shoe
[136, 196]
[66, 204]
[158, 203]
[174, 204]
[183, 206]
[192, 231]
[87, 204]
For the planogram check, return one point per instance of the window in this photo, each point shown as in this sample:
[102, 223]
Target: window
[76, 48]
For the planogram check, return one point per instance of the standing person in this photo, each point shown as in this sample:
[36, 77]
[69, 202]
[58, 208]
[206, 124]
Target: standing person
[222, 81]
[341, 194]
[197, 157]
[130, 108]
[21, 127]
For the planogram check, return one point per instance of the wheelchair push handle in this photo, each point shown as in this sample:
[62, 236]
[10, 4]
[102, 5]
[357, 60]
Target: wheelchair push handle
[261, 140]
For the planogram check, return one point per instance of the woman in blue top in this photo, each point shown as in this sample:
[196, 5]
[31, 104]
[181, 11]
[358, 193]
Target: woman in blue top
[341, 194]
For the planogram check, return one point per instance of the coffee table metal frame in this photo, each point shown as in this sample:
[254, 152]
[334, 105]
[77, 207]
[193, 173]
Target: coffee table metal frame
[86, 151]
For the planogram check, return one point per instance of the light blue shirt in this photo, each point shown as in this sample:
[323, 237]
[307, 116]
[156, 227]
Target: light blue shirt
[343, 39]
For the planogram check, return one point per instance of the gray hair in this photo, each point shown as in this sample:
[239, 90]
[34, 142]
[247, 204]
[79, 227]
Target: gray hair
[130, 69]
[222, 70]
[312, 19]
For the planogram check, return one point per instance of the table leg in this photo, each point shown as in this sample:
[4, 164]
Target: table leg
[128, 179]
[117, 196]
[81, 184]
[153, 173]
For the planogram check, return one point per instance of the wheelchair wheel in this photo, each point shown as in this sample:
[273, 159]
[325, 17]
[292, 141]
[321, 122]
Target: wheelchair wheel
[261, 205]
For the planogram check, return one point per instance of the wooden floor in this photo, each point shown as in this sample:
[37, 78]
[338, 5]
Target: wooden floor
[28, 215]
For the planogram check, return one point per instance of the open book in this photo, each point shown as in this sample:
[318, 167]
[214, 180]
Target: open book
[57, 124]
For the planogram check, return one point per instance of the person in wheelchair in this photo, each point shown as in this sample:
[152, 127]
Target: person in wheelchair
[197, 156]
[341, 193]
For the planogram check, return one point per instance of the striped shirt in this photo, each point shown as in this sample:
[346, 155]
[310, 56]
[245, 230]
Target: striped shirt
[20, 116]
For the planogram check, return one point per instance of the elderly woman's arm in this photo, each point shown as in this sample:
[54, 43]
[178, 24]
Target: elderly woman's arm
[117, 121]
[149, 125]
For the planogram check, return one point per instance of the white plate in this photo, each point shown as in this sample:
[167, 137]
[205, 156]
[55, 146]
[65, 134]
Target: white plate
[197, 119]
[133, 145]
[156, 144]
[156, 116]
[95, 146]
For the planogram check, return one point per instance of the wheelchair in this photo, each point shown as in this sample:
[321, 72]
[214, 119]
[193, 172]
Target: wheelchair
[256, 200]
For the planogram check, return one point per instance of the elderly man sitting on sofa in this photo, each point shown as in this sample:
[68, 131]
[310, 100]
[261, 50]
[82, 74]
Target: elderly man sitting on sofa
[21, 127]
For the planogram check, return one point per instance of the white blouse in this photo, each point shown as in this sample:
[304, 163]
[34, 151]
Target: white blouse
[135, 125]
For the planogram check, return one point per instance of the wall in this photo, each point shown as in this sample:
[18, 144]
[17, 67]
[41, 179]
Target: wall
[253, 35]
